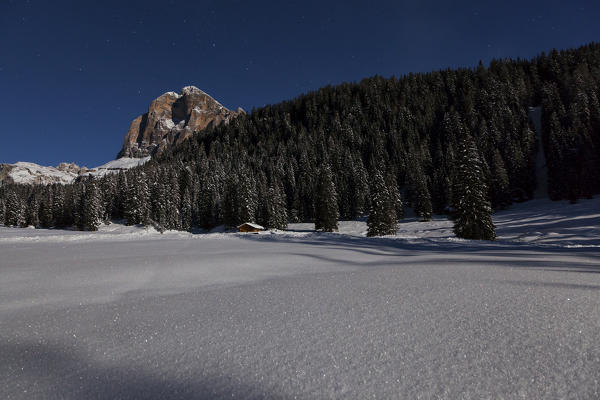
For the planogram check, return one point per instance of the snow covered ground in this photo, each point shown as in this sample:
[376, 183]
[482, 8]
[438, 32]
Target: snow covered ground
[130, 313]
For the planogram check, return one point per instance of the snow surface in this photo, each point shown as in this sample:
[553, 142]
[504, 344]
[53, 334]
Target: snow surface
[28, 173]
[130, 313]
[117, 165]
[31, 173]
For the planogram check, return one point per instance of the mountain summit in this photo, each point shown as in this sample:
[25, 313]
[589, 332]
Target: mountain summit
[172, 118]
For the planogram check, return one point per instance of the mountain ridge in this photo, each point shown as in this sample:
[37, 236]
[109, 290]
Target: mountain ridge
[171, 119]
[28, 173]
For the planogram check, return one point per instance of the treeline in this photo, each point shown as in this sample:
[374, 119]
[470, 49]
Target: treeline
[343, 150]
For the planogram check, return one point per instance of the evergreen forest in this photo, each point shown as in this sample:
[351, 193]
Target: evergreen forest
[424, 141]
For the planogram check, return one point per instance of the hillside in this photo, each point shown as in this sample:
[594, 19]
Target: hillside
[268, 166]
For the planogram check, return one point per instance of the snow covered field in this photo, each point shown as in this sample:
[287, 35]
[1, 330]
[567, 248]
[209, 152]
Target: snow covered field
[130, 313]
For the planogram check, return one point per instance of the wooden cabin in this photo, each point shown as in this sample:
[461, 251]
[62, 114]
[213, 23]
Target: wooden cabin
[250, 227]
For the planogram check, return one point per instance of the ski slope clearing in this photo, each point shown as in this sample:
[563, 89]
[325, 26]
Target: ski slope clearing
[130, 313]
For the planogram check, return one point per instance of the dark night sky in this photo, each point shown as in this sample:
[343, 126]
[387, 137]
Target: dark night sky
[73, 74]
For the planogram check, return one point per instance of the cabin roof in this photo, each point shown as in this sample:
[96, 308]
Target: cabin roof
[252, 225]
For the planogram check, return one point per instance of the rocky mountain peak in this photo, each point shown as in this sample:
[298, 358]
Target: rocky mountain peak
[171, 119]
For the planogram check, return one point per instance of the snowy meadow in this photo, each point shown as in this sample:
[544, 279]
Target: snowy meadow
[128, 312]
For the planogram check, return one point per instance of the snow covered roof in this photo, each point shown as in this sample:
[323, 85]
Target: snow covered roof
[251, 225]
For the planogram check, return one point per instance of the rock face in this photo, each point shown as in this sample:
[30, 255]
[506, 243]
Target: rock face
[171, 119]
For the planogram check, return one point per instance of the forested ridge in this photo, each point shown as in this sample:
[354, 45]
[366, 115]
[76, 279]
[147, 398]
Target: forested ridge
[355, 149]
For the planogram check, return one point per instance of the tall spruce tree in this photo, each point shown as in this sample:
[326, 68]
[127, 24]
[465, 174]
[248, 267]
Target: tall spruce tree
[32, 211]
[277, 215]
[382, 215]
[422, 199]
[46, 215]
[2, 210]
[92, 207]
[58, 206]
[472, 210]
[395, 195]
[247, 199]
[326, 206]
[499, 183]
[14, 210]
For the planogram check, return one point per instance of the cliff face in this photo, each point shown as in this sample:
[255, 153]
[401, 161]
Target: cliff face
[171, 119]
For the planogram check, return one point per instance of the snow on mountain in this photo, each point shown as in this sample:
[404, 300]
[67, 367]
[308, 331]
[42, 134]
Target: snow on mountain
[117, 165]
[31, 174]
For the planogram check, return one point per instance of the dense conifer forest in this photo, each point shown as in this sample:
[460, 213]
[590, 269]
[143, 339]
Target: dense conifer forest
[356, 149]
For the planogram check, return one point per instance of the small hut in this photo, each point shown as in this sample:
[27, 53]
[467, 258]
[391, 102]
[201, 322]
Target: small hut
[250, 227]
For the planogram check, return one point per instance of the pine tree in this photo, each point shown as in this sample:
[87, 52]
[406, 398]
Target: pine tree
[326, 207]
[500, 188]
[422, 199]
[382, 216]
[59, 212]
[77, 206]
[247, 199]
[186, 210]
[419, 196]
[173, 201]
[92, 207]
[14, 210]
[46, 215]
[207, 199]
[2, 210]
[66, 214]
[108, 187]
[230, 202]
[131, 203]
[472, 210]
[395, 196]
[143, 196]
[32, 212]
[276, 213]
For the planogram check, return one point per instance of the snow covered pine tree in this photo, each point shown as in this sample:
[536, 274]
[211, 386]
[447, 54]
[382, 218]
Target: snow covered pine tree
[382, 216]
[472, 210]
[326, 207]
